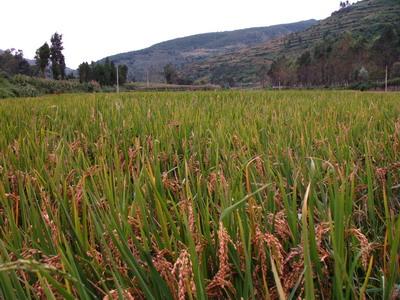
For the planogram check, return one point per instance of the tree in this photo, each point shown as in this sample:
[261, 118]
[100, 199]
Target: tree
[170, 74]
[280, 71]
[341, 59]
[85, 74]
[123, 73]
[321, 53]
[303, 68]
[12, 62]
[56, 57]
[42, 58]
[263, 75]
[360, 50]
[104, 73]
[344, 4]
[99, 73]
[112, 69]
[385, 49]
[109, 77]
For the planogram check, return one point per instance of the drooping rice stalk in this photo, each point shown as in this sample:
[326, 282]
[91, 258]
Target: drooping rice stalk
[205, 195]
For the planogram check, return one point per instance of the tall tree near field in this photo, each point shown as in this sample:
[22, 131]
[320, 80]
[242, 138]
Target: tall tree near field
[42, 58]
[342, 59]
[104, 73]
[303, 68]
[84, 71]
[263, 75]
[170, 74]
[113, 73]
[385, 49]
[360, 51]
[280, 71]
[12, 62]
[56, 57]
[108, 68]
[321, 54]
[123, 73]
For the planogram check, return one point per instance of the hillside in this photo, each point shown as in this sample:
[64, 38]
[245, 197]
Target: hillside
[364, 19]
[198, 48]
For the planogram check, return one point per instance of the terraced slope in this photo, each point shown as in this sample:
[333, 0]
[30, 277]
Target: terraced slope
[365, 18]
[198, 48]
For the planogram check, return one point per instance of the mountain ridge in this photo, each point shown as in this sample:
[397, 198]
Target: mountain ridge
[149, 62]
[364, 18]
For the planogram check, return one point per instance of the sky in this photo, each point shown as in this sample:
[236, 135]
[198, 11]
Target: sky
[95, 29]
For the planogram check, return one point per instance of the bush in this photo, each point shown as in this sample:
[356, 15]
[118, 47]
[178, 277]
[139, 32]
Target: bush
[6, 93]
[6, 88]
[25, 86]
[365, 86]
[25, 90]
[48, 86]
[362, 86]
[108, 89]
[94, 86]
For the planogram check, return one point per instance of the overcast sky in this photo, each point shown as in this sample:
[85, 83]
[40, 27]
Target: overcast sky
[95, 29]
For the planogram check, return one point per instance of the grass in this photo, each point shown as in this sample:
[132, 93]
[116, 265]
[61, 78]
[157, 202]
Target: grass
[274, 195]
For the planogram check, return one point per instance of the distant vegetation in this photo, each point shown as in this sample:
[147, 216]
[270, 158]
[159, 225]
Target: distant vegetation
[172, 76]
[103, 73]
[339, 47]
[28, 86]
[12, 62]
[342, 61]
[351, 48]
[20, 78]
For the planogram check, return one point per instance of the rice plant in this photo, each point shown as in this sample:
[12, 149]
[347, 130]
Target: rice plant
[200, 195]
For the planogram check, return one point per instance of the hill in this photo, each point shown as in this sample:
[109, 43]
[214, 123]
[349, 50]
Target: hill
[198, 48]
[364, 20]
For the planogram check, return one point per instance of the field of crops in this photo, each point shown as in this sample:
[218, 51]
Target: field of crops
[240, 195]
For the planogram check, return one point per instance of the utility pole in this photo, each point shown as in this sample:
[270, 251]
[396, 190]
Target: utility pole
[147, 77]
[386, 79]
[117, 79]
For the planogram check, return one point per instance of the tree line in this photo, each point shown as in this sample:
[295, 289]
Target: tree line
[348, 59]
[172, 76]
[103, 73]
[12, 61]
[50, 61]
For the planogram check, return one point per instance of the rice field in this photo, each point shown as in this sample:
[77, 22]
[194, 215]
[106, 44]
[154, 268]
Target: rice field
[200, 195]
